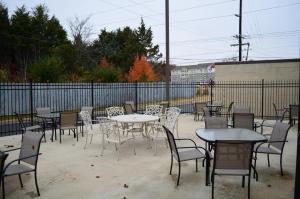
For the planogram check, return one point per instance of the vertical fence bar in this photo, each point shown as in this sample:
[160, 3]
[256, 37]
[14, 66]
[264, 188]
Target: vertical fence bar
[92, 93]
[31, 103]
[211, 90]
[136, 96]
[262, 99]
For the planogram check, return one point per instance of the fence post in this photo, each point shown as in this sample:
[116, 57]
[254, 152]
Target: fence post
[136, 96]
[262, 98]
[92, 93]
[31, 102]
[211, 91]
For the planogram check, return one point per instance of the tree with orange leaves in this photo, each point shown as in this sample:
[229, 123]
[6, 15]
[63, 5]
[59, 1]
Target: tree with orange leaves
[141, 70]
[103, 62]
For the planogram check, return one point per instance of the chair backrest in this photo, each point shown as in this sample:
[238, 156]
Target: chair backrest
[172, 143]
[106, 125]
[241, 109]
[31, 146]
[132, 105]
[171, 117]
[88, 109]
[164, 105]
[275, 111]
[233, 155]
[20, 119]
[114, 111]
[3, 157]
[43, 110]
[229, 108]
[279, 133]
[86, 119]
[153, 110]
[68, 119]
[293, 110]
[206, 112]
[128, 108]
[199, 107]
[243, 120]
[215, 122]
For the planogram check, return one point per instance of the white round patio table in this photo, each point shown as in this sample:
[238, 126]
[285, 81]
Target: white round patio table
[135, 118]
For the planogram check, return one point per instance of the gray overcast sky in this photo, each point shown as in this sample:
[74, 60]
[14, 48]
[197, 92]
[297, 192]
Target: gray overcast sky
[200, 30]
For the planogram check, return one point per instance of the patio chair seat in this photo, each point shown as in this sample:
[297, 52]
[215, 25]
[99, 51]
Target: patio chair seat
[114, 138]
[67, 127]
[17, 169]
[190, 155]
[32, 128]
[239, 172]
[269, 150]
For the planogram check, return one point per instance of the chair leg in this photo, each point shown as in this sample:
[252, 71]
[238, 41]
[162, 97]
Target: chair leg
[212, 185]
[254, 167]
[171, 164]
[3, 189]
[196, 165]
[179, 170]
[20, 179]
[86, 139]
[268, 160]
[249, 186]
[60, 136]
[281, 171]
[91, 138]
[36, 184]
[243, 181]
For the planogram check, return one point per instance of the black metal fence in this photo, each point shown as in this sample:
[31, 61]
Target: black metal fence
[23, 98]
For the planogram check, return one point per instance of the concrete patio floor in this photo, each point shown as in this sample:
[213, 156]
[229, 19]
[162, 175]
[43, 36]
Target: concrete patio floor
[66, 170]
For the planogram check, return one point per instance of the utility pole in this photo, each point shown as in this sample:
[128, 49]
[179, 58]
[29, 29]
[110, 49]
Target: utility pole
[240, 31]
[167, 69]
[240, 36]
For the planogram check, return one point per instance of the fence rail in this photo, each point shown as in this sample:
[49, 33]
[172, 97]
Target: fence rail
[25, 97]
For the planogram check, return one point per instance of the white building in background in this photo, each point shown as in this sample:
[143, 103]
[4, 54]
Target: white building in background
[193, 73]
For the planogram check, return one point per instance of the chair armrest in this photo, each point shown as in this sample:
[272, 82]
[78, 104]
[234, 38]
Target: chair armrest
[9, 150]
[259, 145]
[187, 139]
[31, 156]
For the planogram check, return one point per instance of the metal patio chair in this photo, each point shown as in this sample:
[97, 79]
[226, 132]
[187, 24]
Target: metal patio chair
[232, 158]
[132, 104]
[206, 112]
[46, 123]
[25, 128]
[215, 123]
[153, 110]
[275, 144]
[293, 113]
[128, 108]
[227, 112]
[27, 161]
[90, 110]
[68, 121]
[114, 111]
[241, 109]
[243, 120]
[88, 127]
[186, 153]
[169, 120]
[3, 157]
[279, 116]
[198, 110]
[114, 134]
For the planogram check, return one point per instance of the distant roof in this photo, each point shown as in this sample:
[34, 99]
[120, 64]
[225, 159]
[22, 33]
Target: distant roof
[192, 66]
